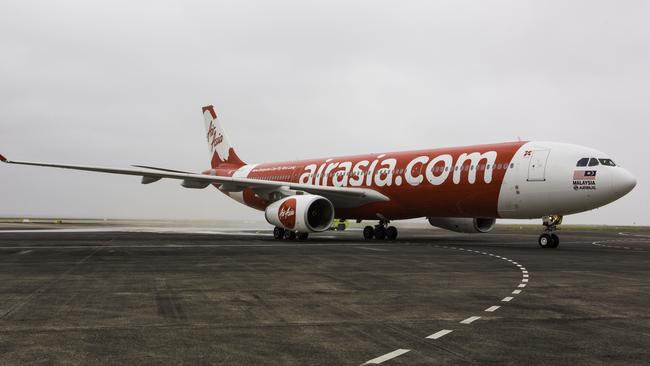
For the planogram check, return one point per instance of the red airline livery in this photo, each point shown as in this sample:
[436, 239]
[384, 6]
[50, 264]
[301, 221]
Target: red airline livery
[463, 189]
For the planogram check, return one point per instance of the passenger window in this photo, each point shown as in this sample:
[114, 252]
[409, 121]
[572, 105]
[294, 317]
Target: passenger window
[583, 162]
[593, 162]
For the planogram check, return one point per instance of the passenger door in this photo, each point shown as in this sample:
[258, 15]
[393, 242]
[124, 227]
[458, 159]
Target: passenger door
[537, 166]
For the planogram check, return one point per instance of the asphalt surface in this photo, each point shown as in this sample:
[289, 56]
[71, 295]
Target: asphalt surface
[242, 298]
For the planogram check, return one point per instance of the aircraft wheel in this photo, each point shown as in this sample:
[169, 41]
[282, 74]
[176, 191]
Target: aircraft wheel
[391, 233]
[289, 235]
[380, 233]
[278, 233]
[556, 241]
[303, 236]
[368, 232]
[545, 241]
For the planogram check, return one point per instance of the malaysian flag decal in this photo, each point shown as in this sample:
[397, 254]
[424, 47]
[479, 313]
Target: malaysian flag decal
[584, 175]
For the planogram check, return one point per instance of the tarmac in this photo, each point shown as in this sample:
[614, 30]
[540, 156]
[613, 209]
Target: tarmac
[119, 296]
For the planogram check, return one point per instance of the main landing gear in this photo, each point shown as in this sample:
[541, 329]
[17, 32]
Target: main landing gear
[283, 234]
[380, 232]
[549, 239]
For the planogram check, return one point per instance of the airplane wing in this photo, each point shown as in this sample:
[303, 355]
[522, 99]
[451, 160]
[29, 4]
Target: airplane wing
[340, 196]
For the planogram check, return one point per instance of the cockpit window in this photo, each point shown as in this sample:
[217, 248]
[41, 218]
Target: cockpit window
[593, 162]
[583, 162]
[607, 162]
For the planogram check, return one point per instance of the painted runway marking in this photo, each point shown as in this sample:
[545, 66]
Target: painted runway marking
[374, 249]
[635, 239]
[470, 320]
[386, 357]
[440, 334]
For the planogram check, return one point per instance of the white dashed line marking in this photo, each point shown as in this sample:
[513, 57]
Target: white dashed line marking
[608, 243]
[440, 334]
[386, 357]
[373, 249]
[470, 320]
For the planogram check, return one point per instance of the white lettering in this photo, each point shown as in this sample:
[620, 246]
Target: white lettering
[416, 179]
[306, 177]
[385, 175]
[357, 178]
[475, 158]
[437, 180]
[342, 176]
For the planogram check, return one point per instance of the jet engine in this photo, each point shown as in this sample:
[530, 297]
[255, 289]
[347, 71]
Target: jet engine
[463, 225]
[302, 213]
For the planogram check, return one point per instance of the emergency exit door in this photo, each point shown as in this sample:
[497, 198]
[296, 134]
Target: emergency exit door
[537, 165]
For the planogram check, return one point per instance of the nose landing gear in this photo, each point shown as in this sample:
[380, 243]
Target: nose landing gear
[381, 231]
[549, 239]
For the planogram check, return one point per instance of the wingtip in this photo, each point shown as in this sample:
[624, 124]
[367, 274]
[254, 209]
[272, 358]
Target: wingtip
[210, 108]
[3, 159]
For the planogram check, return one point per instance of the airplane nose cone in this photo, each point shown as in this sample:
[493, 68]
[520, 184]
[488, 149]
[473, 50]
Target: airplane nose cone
[623, 182]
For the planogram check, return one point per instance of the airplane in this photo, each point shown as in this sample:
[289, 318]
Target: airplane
[462, 189]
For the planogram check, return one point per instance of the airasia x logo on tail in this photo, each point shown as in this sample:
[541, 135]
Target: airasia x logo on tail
[214, 139]
[287, 213]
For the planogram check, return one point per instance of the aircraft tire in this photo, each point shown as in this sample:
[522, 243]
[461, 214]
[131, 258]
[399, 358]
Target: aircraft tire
[278, 233]
[391, 233]
[380, 233]
[368, 232]
[289, 235]
[545, 241]
[556, 240]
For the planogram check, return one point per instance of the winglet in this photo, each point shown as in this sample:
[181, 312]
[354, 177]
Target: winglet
[3, 159]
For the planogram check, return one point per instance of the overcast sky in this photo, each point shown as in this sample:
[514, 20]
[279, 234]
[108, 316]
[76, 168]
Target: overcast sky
[122, 82]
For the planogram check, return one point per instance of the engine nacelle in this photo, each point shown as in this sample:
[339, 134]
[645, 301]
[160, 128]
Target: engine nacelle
[303, 213]
[463, 225]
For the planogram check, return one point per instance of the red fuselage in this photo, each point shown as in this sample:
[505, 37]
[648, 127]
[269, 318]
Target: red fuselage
[448, 182]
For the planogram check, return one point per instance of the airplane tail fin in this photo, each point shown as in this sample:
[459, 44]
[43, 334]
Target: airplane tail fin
[221, 152]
